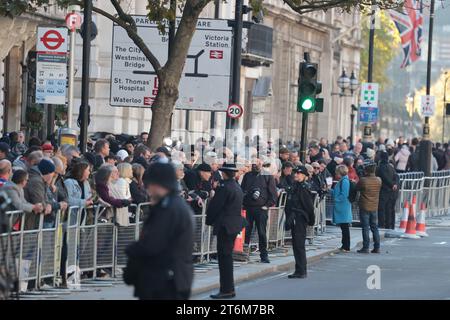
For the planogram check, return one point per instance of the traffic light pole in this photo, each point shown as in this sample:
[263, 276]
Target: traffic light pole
[426, 144]
[84, 108]
[303, 139]
[304, 133]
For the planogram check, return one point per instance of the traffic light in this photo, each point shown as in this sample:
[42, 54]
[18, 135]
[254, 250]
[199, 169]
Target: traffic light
[308, 88]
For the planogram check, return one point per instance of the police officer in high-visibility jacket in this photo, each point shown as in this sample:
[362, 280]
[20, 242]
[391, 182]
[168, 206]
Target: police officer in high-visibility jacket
[299, 211]
[224, 214]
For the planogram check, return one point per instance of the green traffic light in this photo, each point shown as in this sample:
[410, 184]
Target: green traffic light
[307, 104]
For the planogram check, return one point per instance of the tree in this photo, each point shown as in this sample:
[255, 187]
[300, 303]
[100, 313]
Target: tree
[169, 74]
[386, 43]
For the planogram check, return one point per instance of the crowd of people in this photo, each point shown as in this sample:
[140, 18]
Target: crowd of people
[43, 178]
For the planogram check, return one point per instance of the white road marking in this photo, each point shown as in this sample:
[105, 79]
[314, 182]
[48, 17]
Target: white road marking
[443, 242]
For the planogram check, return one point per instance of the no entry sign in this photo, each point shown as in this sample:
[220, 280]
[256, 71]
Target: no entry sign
[235, 111]
[52, 40]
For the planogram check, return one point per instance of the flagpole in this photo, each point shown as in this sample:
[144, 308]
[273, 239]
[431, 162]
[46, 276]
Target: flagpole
[425, 144]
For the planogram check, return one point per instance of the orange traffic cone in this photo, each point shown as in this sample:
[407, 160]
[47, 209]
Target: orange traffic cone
[411, 225]
[404, 218]
[420, 227]
[238, 250]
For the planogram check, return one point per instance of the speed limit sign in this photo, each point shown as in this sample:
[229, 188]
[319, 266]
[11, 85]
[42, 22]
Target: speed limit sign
[235, 111]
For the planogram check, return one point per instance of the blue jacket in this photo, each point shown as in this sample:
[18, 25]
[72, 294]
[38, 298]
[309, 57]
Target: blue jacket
[342, 211]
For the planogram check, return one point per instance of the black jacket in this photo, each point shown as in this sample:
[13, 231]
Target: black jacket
[141, 160]
[163, 252]
[388, 176]
[265, 184]
[138, 193]
[286, 182]
[195, 183]
[299, 203]
[225, 207]
[197, 188]
[414, 161]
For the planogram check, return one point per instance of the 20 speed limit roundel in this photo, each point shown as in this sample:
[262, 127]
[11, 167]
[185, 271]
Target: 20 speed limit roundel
[235, 111]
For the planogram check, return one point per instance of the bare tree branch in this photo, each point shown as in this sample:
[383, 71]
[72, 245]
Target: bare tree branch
[305, 6]
[130, 28]
[123, 15]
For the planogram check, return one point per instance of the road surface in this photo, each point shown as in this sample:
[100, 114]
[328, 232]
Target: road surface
[409, 269]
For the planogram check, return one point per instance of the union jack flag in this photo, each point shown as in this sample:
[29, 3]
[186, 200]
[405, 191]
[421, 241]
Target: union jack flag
[409, 22]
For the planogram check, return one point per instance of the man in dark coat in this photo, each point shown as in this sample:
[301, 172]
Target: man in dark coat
[299, 213]
[260, 193]
[160, 262]
[224, 214]
[388, 192]
[199, 184]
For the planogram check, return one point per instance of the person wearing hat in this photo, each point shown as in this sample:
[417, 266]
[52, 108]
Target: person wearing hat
[299, 212]
[199, 184]
[163, 152]
[47, 149]
[260, 193]
[37, 191]
[286, 178]
[4, 150]
[160, 263]
[224, 214]
[369, 191]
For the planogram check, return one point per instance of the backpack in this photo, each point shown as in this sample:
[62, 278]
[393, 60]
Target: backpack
[352, 192]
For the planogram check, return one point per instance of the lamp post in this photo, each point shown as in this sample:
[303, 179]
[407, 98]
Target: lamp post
[345, 83]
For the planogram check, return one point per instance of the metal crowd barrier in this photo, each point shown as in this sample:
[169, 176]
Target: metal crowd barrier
[276, 235]
[411, 184]
[433, 191]
[436, 193]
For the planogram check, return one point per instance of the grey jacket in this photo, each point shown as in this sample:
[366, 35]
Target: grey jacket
[17, 197]
[35, 192]
[74, 192]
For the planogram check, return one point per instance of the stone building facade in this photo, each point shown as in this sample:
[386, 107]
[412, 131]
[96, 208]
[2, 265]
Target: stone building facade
[268, 84]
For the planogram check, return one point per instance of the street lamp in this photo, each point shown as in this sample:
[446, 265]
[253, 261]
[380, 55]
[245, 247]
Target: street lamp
[343, 82]
[352, 84]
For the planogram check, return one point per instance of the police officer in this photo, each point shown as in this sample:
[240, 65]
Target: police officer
[299, 213]
[224, 214]
[160, 262]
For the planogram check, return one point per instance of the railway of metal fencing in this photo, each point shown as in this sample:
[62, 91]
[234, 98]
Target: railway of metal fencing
[96, 244]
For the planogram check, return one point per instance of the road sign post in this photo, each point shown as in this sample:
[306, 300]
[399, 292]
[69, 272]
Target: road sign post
[73, 23]
[84, 107]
